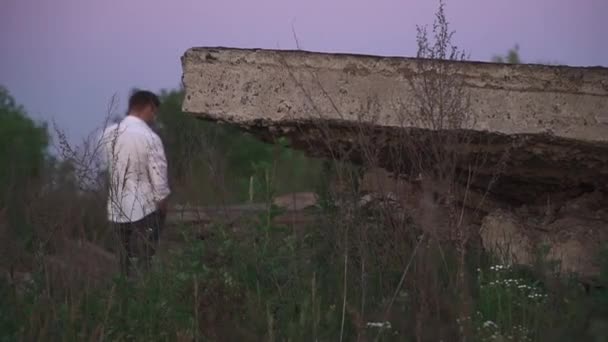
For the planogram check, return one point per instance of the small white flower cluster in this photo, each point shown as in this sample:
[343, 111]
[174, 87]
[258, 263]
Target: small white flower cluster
[379, 325]
[461, 322]
[498, 268]
[507, 282]
[463, 319]
[522, 331]
[530, 291]
[492, 333]
[228, 280]
[490, 324]
[537, 296]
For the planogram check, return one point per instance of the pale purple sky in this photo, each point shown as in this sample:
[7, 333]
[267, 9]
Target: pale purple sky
[64, 59]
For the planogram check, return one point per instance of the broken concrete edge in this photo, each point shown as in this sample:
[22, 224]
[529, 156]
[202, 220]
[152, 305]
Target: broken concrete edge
[593, 79]
[299, 133]
[269, 130]
[522, 152]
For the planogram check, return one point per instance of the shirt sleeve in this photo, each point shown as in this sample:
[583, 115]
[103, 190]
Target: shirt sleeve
[157, 169]
[106, 140]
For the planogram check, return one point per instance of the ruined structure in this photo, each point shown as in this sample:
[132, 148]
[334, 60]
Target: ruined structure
[545, 127]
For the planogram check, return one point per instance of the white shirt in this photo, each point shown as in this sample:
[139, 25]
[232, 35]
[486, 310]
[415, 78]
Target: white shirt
[134, 157]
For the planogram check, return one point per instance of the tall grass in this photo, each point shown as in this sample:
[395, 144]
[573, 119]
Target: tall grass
[320, 281]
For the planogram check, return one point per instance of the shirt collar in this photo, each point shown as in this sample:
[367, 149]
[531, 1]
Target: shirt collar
[135, 120]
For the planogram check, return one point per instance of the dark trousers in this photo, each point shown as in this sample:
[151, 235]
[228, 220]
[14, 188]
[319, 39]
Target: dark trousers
[139, 240]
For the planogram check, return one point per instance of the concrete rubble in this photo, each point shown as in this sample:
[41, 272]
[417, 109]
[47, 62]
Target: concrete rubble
[545, 128]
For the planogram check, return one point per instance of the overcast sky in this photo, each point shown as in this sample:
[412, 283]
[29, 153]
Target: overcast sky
[65, 59]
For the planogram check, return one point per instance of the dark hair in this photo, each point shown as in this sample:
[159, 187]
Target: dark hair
[142, 98]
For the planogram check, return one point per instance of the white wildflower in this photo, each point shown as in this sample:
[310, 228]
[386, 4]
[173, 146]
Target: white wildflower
[380, 325]
[489, 324]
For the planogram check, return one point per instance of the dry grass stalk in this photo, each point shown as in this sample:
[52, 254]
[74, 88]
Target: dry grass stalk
[436, 163]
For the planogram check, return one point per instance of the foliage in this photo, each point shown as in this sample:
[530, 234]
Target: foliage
[23, 146]
[269, 281]
[509, 305]
[512, 56]
[158, 307]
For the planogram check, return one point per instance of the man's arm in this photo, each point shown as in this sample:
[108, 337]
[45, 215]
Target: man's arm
[157, 168]
[106, 146]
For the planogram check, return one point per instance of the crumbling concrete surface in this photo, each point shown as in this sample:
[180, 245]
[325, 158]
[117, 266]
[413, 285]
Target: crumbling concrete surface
[545, 128]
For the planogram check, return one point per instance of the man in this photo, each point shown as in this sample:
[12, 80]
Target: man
[138, 186]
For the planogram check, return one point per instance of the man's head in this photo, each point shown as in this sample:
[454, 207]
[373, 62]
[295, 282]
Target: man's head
[144, 104]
